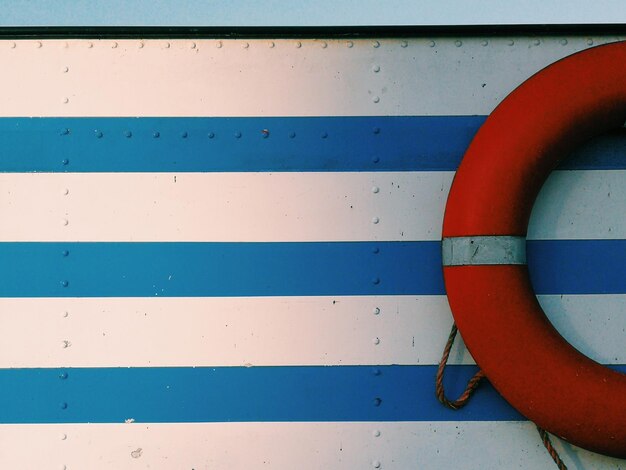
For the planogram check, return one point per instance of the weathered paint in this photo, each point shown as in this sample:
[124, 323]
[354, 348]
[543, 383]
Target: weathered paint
[217, 170]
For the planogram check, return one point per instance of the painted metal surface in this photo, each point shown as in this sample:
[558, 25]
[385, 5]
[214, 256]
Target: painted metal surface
[269, 331]
[310, 446]
[299, 219]
[378, 77]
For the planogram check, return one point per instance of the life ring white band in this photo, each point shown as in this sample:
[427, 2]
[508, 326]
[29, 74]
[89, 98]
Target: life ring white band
[483, 250]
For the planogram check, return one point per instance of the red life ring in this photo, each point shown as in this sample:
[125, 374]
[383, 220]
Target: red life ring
[493, 303]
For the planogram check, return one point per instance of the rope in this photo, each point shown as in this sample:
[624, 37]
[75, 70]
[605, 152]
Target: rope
[471, 385]
[469, 390]
[545, 438]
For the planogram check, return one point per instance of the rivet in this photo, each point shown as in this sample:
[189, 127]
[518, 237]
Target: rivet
[218, 44]
[298, 44]
[536, 42]
[66, 100]
[376, 130]
[65, 161]
[66, 222]
[66, 314]
[65, 283]
[39, 44]
[292, 134]
[62, 467]
[324, 45]
[324, 135]
[66, 69]
[376, 68]
[13, 45]
[458, 43]
[376, 464]
[377, 401]
[238, 135]
[376, 341]
[375, 159]
[590, 42]
[66, 45]
[63, 437]
[375, 99]
[511, 42]
[375, 189]
[66, 344]
[376, 433]
[65, 253]
[563, 42]
[66, 192]
[376, 44]
[431, 43]
[63, 406]
[265, 133]
[349, 44]
[65, 131]
[141, 44]
[114, 45]
[404, 44]
[156, 134]
[375, 250]
[99, 134]
[90, 45]
[63, 375]
[192, 45]
[376, 281]
[184, 135]
[375, 220]
[211, 135]
[271, 44]
[245, 45]
[128, 134]
[167, 45]
[376, 371]
[484, 43]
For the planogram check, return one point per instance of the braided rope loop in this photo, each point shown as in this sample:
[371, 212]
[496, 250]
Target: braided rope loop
[471, 388]
[473, 383]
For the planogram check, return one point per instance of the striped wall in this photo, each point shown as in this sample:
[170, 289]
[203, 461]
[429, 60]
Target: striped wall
[225, 253]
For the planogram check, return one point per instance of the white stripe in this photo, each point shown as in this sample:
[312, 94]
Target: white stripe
[227, 331]
[456, 76]
[409, 206]
[286, 446]
[232, 207]
[140, 332]
[580, 205]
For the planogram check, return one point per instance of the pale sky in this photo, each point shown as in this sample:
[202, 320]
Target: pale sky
[306, 12]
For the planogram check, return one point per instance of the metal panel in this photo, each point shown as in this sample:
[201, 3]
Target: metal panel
[289, 206]
[308, 446]
[231, 77]
[270, 331]
[223, 207]
[170, 141]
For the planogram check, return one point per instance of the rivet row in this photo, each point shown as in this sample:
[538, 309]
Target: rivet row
[264, 133]
[219, 44]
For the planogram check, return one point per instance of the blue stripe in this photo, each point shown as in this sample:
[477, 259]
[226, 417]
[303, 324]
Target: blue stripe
[202, 394]
[314, 393]
[283, 269]
[383, 143]
[217, 269]
[577, 266]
